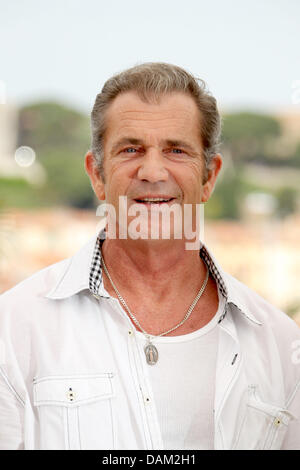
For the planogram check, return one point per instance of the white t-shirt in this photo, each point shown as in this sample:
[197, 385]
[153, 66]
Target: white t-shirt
[183, 383]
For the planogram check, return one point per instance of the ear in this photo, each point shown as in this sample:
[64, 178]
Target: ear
[94, 175]
[214, 169]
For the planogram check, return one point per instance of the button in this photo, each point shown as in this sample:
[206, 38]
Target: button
[234, 359]
[96, 296]
[277, 422]
[130, 332]
[147, 399]
[71, 395]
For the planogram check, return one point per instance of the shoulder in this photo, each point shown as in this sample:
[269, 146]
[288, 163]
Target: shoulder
[268, 331]
[259, 308]
[20, 319]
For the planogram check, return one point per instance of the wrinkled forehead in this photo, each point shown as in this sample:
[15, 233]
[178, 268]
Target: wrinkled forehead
[174, 112]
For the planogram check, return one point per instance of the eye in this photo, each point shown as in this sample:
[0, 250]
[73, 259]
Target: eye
[130, 150]
[178, 151]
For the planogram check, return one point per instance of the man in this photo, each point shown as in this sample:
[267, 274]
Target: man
[139, 342]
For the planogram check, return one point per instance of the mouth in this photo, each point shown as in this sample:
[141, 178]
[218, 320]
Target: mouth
[149, 201]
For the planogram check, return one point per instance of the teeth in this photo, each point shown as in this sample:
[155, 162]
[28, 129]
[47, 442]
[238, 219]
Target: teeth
[155, 199]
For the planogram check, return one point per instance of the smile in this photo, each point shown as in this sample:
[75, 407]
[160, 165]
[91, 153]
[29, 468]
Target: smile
[154, 200]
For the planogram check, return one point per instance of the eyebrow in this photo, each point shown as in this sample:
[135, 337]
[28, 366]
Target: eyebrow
[180, 143]
[167, 142]
[126, 141]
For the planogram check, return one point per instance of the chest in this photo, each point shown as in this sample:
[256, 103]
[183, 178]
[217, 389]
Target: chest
[92, 390]
[183, 385]
[159, 315]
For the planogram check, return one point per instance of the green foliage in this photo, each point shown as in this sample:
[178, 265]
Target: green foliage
[67, 180]
[238, 126]
[228, 198]
[16, 192]
[48, 126]
[247, 135]
[60, 138]
[287, 201]
[295, 158]
[224, 202]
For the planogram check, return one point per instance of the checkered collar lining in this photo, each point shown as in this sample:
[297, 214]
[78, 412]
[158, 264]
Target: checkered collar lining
[95, 277]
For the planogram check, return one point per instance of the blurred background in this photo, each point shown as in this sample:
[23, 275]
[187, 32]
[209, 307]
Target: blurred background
[56, 57]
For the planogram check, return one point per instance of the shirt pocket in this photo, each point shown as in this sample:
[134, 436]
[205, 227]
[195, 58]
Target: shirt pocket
[75, 411]
[264, 425]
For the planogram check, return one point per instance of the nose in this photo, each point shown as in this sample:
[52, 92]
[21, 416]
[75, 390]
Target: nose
[152, 167]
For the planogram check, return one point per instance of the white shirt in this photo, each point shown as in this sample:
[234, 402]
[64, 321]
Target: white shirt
[183, 383]
[73, 377]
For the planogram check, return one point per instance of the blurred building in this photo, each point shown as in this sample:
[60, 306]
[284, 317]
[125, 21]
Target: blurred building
[290, 123]
[8, 133]
[289, 120]
[9, 168]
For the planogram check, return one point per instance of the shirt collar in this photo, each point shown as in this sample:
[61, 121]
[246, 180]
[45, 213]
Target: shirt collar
[75, 276]
[84, 272]
[233, 290]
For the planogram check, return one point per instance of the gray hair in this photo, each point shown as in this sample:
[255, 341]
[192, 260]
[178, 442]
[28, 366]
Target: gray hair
[150, 81]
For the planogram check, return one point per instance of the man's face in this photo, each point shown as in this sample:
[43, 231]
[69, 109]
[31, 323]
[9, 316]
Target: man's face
[154, 151]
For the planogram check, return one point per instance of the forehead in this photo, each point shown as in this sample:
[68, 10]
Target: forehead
[175, 113]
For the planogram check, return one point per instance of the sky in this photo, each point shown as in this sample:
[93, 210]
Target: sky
[248, 51]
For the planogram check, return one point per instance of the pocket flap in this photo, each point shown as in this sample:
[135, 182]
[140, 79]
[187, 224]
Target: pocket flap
[280, 414]
[72, 390]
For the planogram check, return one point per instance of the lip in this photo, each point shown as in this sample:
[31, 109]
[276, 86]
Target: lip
[154, 196]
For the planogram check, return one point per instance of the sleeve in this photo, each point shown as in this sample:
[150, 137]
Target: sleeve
[11, 418]
[292, 437]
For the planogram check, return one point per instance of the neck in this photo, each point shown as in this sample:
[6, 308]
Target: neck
[139, 265]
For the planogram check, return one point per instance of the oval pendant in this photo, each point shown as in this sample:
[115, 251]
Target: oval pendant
[151, 354]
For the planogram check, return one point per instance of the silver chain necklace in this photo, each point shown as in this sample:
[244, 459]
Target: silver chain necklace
[150, 350]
